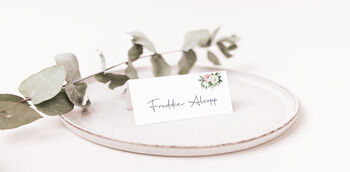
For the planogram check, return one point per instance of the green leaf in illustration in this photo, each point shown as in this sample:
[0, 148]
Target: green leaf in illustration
[76, 94]
[213, 58]
[196, 38]
[141, 39]
[44, 85]
[130, 71]
[103, 60]
[115, 80]
[187, 61]
[58, 105]
[11, 98]
[160, 66]
[70, 63]
[230, 45]
[13, 115]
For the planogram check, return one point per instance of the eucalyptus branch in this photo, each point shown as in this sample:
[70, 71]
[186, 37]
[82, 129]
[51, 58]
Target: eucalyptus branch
[48, 93]
[125, 62]
[107, 69]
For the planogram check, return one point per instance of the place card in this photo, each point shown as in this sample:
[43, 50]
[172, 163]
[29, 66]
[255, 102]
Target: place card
[170, 98]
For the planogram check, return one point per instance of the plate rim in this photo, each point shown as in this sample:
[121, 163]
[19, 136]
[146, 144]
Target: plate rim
[295, 114]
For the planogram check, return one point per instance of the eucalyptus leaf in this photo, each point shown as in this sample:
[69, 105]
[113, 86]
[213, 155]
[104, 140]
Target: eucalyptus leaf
[115, 80]
[103, 60]
[231, 40]
[160, 66]
[76, 94]
[58, 105]
[130, 71]
[196, 38]
[231, 45]
[212, 37]
[187, 61]
[135, 52]
[11, 98]
[13, 115]
[141, 39]
[71, 64]
[103, 77]
[224, 49]
[44, 85]
[213, 58]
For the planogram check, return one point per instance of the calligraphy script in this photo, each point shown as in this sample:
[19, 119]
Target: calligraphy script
[172, 104]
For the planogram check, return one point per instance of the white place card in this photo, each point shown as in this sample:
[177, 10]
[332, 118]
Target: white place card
[170, 98]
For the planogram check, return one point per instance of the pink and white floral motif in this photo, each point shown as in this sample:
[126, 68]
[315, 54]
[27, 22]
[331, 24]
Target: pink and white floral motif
[206, 77]
[210, 80]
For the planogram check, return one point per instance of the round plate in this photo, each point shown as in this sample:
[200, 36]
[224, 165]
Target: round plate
[262, 111]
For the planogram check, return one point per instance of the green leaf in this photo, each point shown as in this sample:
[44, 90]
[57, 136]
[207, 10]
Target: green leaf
[187, 61]
[44, 85]
[13, 115]
[212, 37]
[232, 47]
[134, 52]
[196, 38]
[212, 57]
[11, 98]
[115, 80]
[141, 39]
[76, 94]
[160, 66]
[103, 77]
[130, 71]
[103, 60]
[58, 105]
[70, 63]
[225, 49]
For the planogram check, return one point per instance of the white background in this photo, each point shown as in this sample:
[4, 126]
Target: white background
[303, 45]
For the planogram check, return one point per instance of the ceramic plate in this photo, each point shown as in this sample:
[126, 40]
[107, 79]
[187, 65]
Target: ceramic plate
[262, 111]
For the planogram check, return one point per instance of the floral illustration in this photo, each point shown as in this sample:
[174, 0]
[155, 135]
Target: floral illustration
[210, 80]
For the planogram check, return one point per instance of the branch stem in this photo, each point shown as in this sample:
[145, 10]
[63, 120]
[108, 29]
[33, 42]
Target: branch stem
[109, 68]
[24, 100]
[125, 62]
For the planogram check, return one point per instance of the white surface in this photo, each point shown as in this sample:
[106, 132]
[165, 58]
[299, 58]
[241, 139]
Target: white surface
[263, 110]
[177, 97]
[303, 45]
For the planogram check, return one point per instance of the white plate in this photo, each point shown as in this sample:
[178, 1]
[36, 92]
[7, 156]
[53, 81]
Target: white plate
[262, 111]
